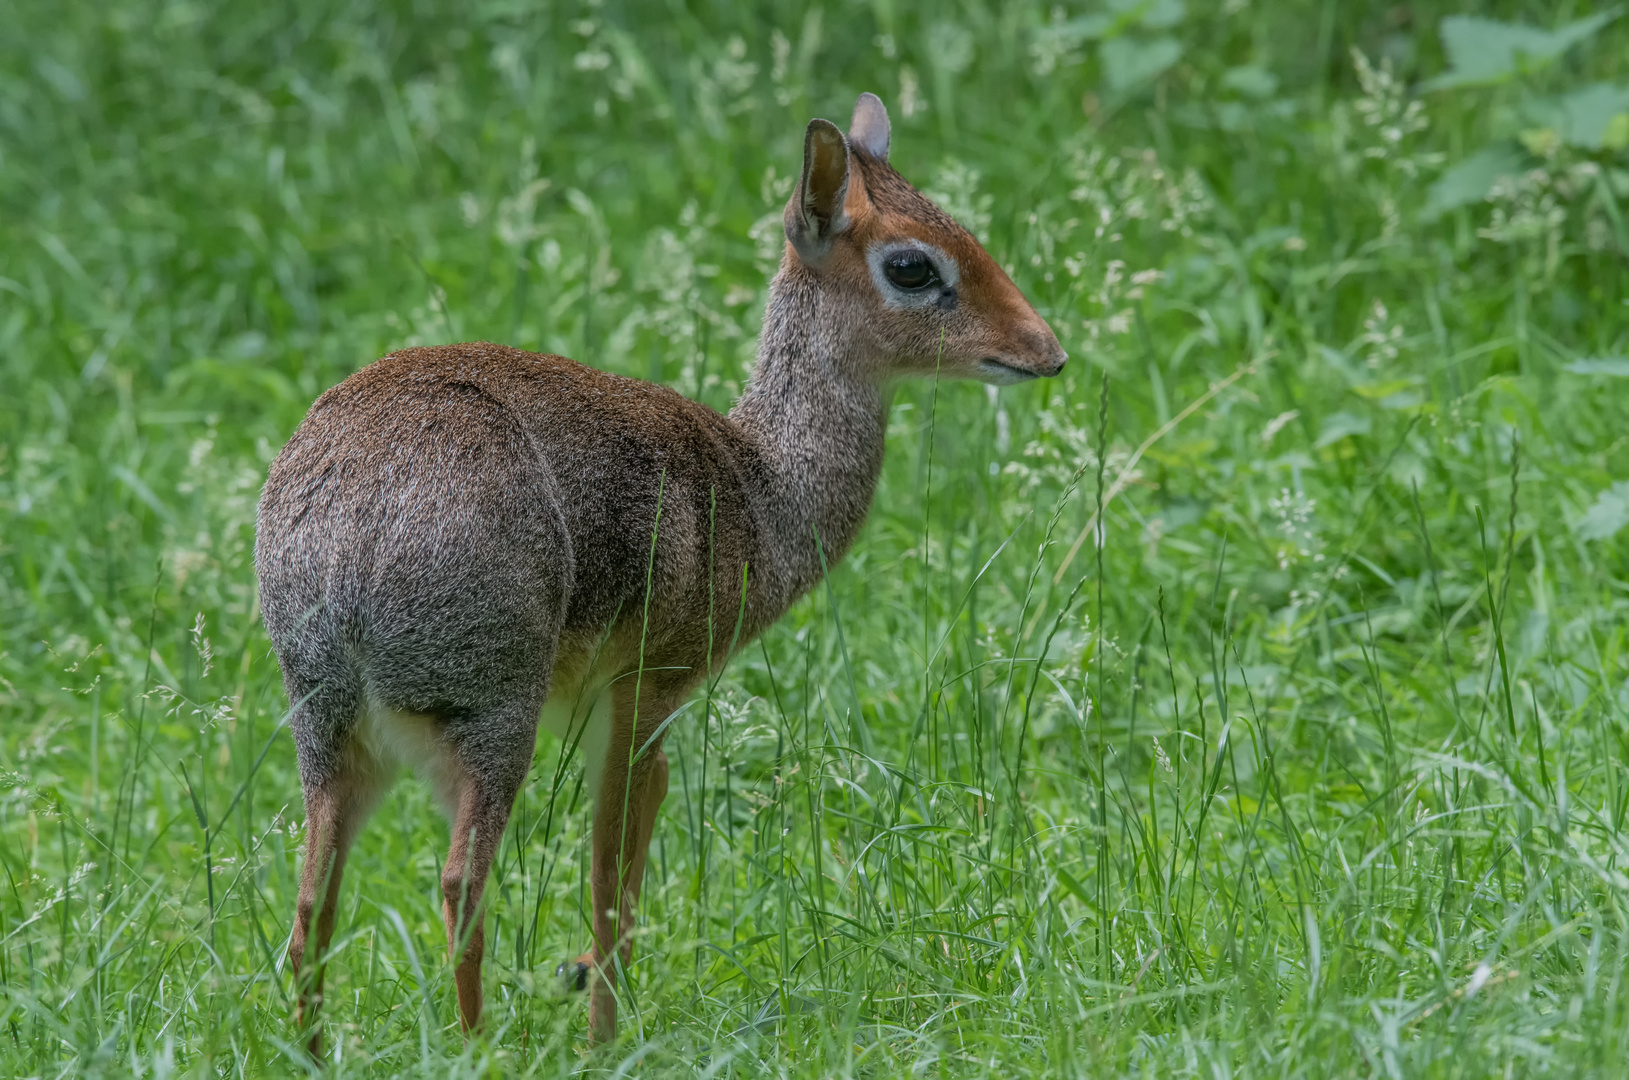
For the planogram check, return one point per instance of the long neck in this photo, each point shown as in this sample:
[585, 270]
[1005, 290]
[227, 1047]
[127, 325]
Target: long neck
[819, 423]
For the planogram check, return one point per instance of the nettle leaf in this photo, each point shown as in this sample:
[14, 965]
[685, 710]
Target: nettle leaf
[1158, 14]
[1482, 51]
[1609, 514]
[1583, 118]
[1470, 180]
[1128, 62]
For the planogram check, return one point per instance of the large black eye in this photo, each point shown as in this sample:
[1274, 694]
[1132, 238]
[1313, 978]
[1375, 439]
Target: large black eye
[910, 270]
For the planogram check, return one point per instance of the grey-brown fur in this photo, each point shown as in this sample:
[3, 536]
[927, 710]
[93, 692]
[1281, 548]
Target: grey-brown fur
[456, 532]
[445, 518]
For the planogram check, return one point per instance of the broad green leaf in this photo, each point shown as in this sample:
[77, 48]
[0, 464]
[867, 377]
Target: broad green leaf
[1129, 62]
[1156, 14]
[1471, 179]
[1482, 51]
[1609, 514]
[1582, 117]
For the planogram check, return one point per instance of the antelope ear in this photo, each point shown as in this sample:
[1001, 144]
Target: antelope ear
[815, 215]
[869, 129]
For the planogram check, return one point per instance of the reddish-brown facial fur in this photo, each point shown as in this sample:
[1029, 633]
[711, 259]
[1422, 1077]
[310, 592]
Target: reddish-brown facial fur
[459, 542]
[990, 320]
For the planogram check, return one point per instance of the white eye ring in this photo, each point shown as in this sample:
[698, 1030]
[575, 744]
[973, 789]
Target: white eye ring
[893, 296]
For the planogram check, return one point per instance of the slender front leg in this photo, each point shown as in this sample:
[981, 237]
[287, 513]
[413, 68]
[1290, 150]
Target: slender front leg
[632, 788]
[655, 793]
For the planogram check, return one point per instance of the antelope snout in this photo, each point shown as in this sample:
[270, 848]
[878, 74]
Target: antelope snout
[1035, 354]
[1050, 353]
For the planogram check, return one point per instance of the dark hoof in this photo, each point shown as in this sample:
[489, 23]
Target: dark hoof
[573, 976]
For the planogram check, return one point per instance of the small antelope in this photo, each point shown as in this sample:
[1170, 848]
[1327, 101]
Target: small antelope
[464, 541]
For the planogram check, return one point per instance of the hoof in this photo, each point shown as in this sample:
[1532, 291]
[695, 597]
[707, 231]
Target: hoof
[573, 975]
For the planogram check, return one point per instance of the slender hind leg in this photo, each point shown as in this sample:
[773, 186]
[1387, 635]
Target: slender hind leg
[335, 809]
[492, 761]
[631, 791]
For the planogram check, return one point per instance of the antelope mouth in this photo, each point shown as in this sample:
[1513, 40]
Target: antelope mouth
[1002, 373]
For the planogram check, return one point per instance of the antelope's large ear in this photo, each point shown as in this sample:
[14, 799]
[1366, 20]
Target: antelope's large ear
[868, 130]
[815, 215]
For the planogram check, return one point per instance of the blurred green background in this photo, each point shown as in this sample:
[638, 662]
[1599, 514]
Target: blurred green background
[1315, 765]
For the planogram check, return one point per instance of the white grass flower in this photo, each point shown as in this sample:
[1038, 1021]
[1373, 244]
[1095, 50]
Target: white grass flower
[1384, 340]
[1277, 424]
[206, 651]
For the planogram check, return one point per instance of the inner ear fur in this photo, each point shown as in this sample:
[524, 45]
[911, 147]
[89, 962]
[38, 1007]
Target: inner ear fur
[816, 215]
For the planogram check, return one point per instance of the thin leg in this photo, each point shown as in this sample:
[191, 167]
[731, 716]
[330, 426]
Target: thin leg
[630, 794]
[651, 800]
[490, 777]
[334, 811]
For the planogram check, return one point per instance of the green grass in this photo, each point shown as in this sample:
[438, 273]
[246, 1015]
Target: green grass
[1318, 765]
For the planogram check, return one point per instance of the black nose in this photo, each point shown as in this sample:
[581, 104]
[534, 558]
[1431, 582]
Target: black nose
[1052, 356]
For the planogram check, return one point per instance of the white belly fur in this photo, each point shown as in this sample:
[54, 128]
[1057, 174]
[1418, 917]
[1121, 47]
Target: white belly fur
[564, 717]
[386, 740]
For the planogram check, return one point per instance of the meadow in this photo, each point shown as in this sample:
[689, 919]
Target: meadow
[1250, 701]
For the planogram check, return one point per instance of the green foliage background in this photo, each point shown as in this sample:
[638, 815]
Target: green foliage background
[1314, 766]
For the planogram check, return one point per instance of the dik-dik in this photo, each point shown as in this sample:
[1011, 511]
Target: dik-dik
[461, 541]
